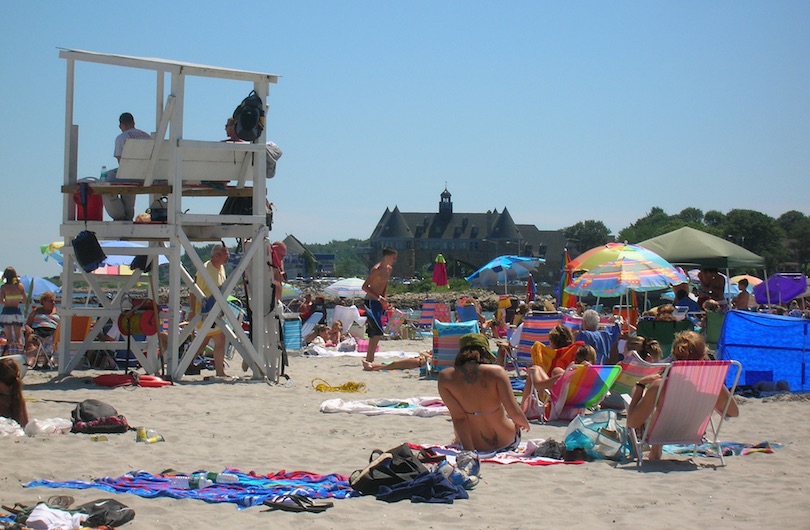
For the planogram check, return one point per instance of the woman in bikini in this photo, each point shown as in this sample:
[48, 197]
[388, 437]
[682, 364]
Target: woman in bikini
[12, 296]
[12, 404]
[478, 395]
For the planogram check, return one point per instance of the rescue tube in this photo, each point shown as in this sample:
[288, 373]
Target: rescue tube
[152, 381]
[114, 380]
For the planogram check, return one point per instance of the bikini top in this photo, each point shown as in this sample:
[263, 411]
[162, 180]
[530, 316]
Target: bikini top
[14, 297]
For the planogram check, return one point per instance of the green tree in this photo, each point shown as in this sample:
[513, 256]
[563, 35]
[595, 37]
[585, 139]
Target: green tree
[693, 216]
[789, 221]
[655, 223]
[588, 234]
[714, 219]
[757, 232]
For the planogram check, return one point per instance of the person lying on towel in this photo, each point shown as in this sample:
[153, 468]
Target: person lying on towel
[478, 395]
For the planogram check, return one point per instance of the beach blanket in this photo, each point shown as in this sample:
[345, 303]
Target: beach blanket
[728, 448]
[522, 455]
[251, 490]
[424, 407]
[320, 351]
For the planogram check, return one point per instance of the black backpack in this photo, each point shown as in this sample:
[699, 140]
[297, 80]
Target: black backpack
[249, 117]
[396, 465]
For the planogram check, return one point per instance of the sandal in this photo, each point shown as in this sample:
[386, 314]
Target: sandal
[296, 503]
[59, 502]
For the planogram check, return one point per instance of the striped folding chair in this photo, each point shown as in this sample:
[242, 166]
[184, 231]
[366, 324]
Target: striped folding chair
[446, 336]
[582, 387]
[536, 327]
[433, 310]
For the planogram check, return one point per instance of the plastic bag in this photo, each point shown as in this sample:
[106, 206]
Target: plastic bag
[9, 427]
[599, 434]
[48, 426]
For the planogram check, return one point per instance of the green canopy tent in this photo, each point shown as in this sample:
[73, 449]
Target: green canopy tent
[687, 246]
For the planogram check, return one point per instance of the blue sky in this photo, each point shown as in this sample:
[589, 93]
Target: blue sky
[559, 112]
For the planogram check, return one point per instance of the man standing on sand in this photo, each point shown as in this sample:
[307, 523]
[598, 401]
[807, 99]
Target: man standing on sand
[375, 287]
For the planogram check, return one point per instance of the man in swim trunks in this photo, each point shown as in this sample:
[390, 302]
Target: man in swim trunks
[478, 395]
[375, 287]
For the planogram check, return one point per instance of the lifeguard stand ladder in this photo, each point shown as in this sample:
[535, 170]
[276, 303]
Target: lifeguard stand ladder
[172, 165]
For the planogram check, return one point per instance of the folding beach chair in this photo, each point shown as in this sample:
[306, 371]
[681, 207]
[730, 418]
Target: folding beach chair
[633, 369]
[292, 331]
[466, 313]
[46, 352]
[348, 315]
[393, 328]
[433, 310]
[582, 387]
[628, 314]
[536, 327]
[663, 332]
[309, 326]
[684, 405]
[714, 327]
[446, 337]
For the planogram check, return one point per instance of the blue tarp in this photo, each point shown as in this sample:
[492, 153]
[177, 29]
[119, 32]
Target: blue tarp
[769, 347]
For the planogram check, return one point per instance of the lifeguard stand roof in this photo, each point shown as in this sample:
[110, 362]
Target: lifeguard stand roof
[165, 65]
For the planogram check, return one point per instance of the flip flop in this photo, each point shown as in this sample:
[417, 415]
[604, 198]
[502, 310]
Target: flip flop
[60, 502]
[296, 503]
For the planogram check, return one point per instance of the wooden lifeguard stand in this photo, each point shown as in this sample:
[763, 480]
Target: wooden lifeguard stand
[172, 166]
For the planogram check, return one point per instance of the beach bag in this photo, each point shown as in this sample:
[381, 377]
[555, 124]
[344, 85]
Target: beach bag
[394, 466]
[105, 512]
[92, 416]
[249, 117]
[599, 434]
[88, 251]
[244, 206]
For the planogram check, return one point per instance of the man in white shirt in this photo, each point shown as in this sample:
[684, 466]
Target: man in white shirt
[121, 207]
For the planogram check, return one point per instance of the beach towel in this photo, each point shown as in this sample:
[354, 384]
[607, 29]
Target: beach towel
[320, 351]
[424, 407]
[524, 454]
[728, 448]
[250, 490]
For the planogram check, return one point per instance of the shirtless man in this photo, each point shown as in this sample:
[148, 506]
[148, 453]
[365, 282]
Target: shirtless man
[478, 395]
[375, 288]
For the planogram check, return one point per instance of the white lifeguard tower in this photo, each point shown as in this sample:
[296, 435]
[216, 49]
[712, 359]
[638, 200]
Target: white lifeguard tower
[171, 165]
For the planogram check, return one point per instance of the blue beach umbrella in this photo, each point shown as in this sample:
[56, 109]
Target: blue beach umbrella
[504, 269]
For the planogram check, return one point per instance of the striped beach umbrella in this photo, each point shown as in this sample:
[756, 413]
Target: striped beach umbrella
[617, 278]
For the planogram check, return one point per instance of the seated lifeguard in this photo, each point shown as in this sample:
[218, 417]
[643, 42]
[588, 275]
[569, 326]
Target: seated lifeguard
[478, 395]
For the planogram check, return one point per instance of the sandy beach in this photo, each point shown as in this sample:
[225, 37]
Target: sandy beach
[251, 426]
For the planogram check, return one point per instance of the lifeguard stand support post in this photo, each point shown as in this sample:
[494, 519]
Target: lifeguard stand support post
[171, 165]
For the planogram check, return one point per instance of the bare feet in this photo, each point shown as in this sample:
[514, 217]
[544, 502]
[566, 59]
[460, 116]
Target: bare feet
[368, 366]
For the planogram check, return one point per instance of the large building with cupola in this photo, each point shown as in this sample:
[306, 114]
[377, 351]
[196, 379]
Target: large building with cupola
[466, 240]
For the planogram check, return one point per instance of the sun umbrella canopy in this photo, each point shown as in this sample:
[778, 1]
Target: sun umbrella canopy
[347, 288]
[752, 280]
[289, 292]
[504, 269]
[440, 271]
[54, 251]
[40, 285]
[782, 288]
[613, 252]
[616, 278]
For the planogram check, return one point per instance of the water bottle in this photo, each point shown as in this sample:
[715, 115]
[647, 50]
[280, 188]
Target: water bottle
[222, 478]
[180, 482]
[103, 175]
[198, 481]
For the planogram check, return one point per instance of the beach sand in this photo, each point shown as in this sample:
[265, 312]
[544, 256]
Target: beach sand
[250, 425]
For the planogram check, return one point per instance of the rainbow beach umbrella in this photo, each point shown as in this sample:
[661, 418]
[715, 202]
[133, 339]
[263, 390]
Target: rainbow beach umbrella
[617, 278]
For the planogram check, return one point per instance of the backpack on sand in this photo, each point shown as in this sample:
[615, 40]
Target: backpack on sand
[249, 117]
